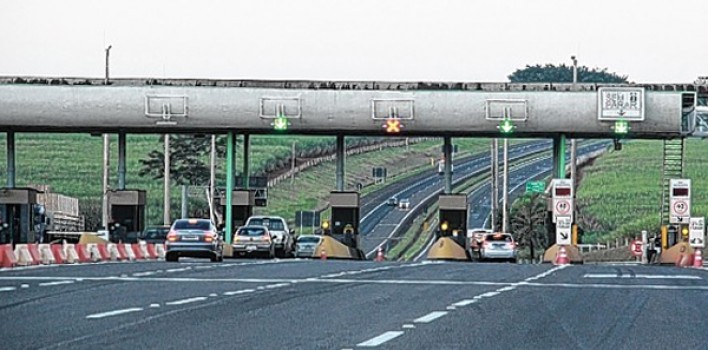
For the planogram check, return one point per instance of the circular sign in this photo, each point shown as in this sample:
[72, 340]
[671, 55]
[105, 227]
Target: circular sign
[636, 247]
[680, 207]
[563, 207]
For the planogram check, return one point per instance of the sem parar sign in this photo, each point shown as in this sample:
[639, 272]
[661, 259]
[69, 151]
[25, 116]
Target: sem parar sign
[615, 103]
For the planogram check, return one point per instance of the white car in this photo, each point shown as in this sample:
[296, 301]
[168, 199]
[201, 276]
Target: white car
[404, 204]
[282, 235]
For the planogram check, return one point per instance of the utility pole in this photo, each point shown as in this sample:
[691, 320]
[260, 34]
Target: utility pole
[212, 179]
[292, 166]
[495, 181]
[505, 192]
[573, 142]
[166, 216]
[106, 160]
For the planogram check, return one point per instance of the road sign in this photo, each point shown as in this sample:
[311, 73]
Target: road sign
[506, 126]
[562, 207]
[697, 233]
[535, 186]
[562, 192]
[563, 230]
[679, 201]
[636, 247]
[280, 123]
[614, 103]
[621, 127]
[393, 126]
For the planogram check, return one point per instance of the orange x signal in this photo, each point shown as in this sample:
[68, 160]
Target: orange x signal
[393, 126]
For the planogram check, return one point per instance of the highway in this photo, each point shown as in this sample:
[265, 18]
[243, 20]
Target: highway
[313, 304]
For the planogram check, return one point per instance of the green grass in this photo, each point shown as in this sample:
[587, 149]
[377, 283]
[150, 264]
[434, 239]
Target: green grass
[622, 189]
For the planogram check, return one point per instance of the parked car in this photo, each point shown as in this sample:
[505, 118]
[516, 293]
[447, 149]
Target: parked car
[498, 246]
[155, 234]
[404, 204]
[282, 235]
[196, 238]
[253, 240]
[393, 201]
[306, 246]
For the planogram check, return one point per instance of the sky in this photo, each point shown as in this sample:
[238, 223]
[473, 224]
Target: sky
[392, 40]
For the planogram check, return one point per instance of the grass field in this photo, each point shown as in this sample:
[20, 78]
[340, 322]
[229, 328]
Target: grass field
[622, 189]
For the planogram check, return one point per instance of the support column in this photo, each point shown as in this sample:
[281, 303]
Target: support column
[166, 207]
[185, 203]
[246, 160]
[559, 156]
[121, 160]
[447, 155]
[340, 163]
[105, 219]
[229, 184]
[10, 159]
[495, 183]
[212, 179]
[505, 188]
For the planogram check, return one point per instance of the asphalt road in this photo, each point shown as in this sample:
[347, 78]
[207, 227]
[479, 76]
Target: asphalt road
[312, 304]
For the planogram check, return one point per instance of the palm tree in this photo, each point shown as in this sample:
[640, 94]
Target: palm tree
[527, 223]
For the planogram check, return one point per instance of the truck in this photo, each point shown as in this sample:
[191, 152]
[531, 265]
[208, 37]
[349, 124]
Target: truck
[56, 216]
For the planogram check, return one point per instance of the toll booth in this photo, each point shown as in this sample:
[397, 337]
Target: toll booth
[345, 217]
[452, 216]
[17, 215]
[242, 203]
[127, 210]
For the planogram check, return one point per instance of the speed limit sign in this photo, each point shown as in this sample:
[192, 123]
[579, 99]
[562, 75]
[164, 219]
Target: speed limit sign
[636, 247]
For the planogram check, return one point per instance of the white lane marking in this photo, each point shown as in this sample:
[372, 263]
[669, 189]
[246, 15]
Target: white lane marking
[488, 294]
[176, 270]
[24, 286]
[465, 302]
[670, 277]
[237, 292]
[430, 317]
[616, 286]
[260, 288]
[7, 289]
[408, 326]
[55, 283]
[154, 306]
[186, 301]
[213, 295]
[115, 312]
[140, 274]
[376, 341]
[506, 289]
[451, 307]
[203, 267]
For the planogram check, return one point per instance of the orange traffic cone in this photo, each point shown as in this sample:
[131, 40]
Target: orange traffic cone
[323, 255]
[380, 255]
[698, 258]
[561, 257]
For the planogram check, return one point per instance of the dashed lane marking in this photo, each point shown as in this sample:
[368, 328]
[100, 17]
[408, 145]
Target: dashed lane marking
[465, 302]
[114, 313]
[378, 340]
[237, 292]
[7, 289]
[669, 277]
[186, 301]
[430, 317]
[46, 284]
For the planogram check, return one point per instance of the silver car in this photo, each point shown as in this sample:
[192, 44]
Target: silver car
[253, 240]
[282, 234]
[196, 238]
[306, 246]
[498, 246]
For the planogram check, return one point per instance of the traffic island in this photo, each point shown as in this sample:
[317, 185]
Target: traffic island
[445, 248]
[572, 251]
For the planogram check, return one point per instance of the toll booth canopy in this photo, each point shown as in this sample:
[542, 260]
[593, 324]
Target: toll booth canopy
[345, 217]
[453, 217]
[17, 215]
[127, 208]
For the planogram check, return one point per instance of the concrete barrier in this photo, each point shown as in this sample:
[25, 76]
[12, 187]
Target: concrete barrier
[103, 250]
[122, 252]
[92, 252]
[446, 248]
[128, 250]
[83, 253]
[46, 255]
[58, 252]
[160, 250]
[24, 258]
[72, 257]
[137, 251]
[150, 251]
[7, 256]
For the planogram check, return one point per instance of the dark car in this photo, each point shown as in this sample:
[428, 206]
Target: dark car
[196, 238]
[155, 234]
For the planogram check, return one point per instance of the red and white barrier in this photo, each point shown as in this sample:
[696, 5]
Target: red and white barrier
[103, 250]
[7, 256]
[46, 255]
[160, 250]
[24, 257]
[128, 249]
[150, 250]
[72, 257]
[83, 253]
[137, 251]
[58, 252]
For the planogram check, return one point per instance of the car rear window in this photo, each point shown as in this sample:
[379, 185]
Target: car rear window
[499, 238]
[274, 224]
[192, 225]
[308, 239]
[156, 233]
[250, 231]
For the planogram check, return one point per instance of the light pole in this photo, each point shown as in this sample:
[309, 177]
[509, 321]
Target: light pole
[106, 158]
[573, 142]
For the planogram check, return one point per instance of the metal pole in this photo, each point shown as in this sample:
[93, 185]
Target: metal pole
[645, 247]
[447, 155]
[229, 184]
[10, 159]
[340, 163]
[185, 199]
[105, 219]
[121, 160]
[212, 178]
[166, 214]
[246, 160]
[292, 166]
[495, 182]
[573, 142]
[559, 156]
[505, 192]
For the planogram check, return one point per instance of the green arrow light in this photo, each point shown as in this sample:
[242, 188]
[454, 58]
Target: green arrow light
[621, 127]
[280, 123]
[506, 126]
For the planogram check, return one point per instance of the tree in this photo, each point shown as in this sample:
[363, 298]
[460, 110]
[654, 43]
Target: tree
[189, 159]
[528, 223]
[550, 73]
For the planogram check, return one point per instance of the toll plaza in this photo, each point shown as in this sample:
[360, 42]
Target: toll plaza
[341, 232]
[17, 215]
[127, 212]
[451, 241]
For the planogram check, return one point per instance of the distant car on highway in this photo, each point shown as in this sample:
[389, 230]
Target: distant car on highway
[393, 201]
[196, 238]
[498, 246]
[155, 234]
[282, 234]
[306, 246]
[404, 204]
[254, 240]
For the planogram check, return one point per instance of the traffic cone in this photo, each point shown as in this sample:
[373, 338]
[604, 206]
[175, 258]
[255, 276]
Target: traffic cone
[698, 258]
[561, 257]
[380, 255]
[323, 255]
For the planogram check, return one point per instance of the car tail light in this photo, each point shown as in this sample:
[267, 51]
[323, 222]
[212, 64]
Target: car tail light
[209, 236]
[172, 236]
[266, 238]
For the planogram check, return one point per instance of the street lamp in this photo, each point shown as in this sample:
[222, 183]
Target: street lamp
[106, 159]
